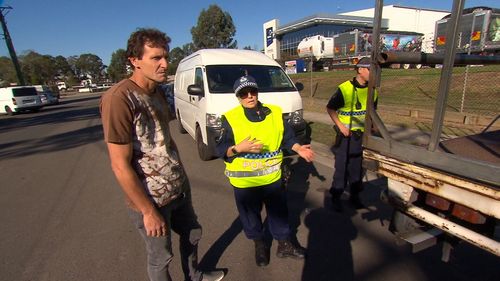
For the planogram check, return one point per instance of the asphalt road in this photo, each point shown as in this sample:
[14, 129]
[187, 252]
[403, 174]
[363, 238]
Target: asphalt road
[63, 218]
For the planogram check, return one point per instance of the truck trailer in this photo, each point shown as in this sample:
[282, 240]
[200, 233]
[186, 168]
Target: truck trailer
[479, 32]
[446, 191]
[345, 49]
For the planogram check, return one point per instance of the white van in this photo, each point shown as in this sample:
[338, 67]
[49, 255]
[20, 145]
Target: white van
[203, 91]
[19, 98]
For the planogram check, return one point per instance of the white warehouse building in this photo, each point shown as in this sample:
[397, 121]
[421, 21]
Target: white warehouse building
[281, 41]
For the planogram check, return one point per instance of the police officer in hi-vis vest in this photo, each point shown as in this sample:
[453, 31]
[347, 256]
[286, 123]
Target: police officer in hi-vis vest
[347, 109]
[251, 142]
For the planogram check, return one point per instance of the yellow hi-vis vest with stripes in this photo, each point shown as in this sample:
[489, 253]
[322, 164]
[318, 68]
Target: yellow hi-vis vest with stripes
[256, 169]
[351, 96]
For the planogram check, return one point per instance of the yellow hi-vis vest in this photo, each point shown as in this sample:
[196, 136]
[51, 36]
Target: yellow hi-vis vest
[352, 117]
[256, 169]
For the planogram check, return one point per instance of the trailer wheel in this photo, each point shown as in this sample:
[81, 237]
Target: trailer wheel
[406, 66]
[418, 66]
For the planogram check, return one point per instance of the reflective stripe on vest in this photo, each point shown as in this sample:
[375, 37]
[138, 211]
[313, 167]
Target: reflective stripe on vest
[260, 155]
[346, 113]
[244, 174]
[353, 118]
[256, 169]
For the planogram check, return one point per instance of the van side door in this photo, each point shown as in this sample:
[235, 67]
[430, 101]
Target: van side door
[197, 100]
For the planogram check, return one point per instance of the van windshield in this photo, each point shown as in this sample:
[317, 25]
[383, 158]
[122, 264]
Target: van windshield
[23, 92]
[221, 78]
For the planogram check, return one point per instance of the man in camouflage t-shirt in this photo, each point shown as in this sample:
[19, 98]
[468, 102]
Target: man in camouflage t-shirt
[145, 160]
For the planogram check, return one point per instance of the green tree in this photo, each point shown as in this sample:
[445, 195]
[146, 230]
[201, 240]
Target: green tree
[174, 57]
[188, 49]
[89, 65]
[215, 29]
[37, 68]
[62, 66]
[7, 72]
[117, 69]
[72, 64]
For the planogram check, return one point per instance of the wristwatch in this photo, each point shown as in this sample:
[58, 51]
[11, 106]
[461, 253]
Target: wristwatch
[233, 149]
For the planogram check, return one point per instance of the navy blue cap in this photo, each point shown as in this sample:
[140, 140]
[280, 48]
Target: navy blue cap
[364, 62]
[246, 81]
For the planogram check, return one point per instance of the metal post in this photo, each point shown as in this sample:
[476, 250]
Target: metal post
[444, 82]
[375, 72]
[311, 64]
[467, 67]
[10, 46]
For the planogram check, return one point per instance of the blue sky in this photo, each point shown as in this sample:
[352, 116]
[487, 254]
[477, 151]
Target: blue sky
[68, 27]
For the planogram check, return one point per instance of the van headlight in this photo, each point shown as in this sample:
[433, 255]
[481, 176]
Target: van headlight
[295, 117]
[213, 121]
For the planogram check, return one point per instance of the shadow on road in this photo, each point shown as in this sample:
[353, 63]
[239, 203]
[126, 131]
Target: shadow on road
[329, 251]
[22, 121]
[297, 187]
[213, 255]
[58, 142]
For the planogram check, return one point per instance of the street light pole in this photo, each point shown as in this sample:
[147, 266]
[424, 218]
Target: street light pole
[10, 46]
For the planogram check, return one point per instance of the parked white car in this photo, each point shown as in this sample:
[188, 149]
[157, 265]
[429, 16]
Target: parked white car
[19, 98]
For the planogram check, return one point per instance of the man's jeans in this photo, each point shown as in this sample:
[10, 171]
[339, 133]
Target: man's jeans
[180, 217]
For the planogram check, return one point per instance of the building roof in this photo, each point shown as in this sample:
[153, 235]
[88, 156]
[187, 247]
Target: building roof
[417, 8]
[323, 18]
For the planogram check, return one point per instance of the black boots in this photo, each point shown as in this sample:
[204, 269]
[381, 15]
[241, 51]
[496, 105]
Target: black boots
[336, 202]
[261, 253]
[354, 199]
[288, 249]
[356, 202]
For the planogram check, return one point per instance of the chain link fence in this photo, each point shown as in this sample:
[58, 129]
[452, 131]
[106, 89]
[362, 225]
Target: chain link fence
[473, 89]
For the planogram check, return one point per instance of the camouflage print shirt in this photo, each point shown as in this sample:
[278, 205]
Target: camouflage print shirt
[130, 115]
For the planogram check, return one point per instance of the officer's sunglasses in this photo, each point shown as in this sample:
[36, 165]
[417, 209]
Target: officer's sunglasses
[244, 93]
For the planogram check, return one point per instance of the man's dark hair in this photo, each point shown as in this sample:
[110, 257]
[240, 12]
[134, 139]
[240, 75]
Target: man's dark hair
[145, 36]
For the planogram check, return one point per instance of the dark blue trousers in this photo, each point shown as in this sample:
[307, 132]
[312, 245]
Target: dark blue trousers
[348, 165]
[249, 202]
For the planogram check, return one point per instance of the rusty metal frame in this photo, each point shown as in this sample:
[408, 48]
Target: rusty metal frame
[430, 157]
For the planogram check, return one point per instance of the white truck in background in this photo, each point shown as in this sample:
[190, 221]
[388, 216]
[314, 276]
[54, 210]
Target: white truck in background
[479, 32]
[345, 49]
[61, 86]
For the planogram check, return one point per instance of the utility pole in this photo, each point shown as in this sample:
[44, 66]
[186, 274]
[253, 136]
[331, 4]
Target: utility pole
[8, 41]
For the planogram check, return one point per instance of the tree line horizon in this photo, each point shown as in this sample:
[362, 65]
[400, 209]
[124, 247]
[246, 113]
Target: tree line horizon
[214, 29]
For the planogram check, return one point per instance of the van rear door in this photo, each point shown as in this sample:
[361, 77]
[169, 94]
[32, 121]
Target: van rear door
[25, 97]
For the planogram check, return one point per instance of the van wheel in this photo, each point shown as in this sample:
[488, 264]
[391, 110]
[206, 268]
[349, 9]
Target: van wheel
[9, 111]
[179, 124]
[203, 150]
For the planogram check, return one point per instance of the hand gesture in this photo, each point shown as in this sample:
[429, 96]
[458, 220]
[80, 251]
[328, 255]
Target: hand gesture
[249, 145]
[306, 152]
